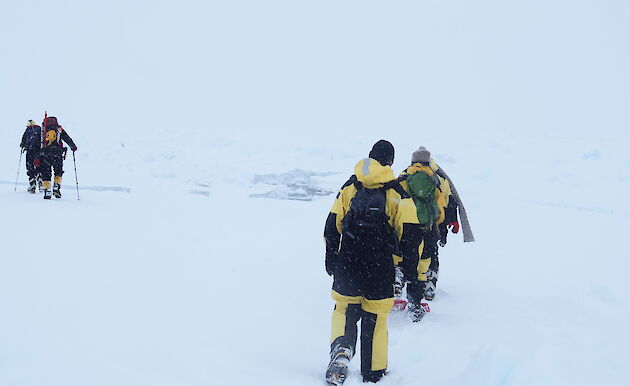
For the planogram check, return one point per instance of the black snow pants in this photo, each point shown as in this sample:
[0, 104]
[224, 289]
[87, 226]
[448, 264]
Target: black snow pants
[363, 289]
[52, 160]
[33, 163]
[415, 290]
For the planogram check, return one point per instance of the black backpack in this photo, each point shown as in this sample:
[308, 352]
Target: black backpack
[32, 140]
[365, 228]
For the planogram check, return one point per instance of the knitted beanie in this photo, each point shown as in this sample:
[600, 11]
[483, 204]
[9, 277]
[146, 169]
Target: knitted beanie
[383, 152]
[421, 155]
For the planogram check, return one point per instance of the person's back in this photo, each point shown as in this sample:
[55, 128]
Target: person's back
[435, 225]
[31, 144]
[371, 218]
[53, 152]
[430, 197]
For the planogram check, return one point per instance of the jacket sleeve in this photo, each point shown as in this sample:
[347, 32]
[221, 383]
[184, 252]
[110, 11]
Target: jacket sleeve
[23, 143]
[451, 211]
[409, 233]
[66, 138]
[332, 236]
[332, 229]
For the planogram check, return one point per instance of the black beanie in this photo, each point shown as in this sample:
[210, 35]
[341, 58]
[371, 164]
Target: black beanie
[383, 152]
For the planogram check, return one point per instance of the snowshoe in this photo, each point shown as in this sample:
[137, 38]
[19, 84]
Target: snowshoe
[338, 367]
[47, 194]
[399, 304]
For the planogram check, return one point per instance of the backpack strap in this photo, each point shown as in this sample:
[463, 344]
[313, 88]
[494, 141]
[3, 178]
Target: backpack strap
[395, 184]
[351, 181]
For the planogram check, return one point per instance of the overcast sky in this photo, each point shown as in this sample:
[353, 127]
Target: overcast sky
[331, 66]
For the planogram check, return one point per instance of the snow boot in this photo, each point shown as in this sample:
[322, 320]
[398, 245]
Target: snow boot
[47, 192]
[56, 190]
[429, 291]
[373, 376]
[40, 183]
[338, 367]
[399, 282]
[32, 183]
[416, 312]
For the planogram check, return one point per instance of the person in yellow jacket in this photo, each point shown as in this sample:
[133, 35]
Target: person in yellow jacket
[446, 203]
[431, 196]
[371, 219]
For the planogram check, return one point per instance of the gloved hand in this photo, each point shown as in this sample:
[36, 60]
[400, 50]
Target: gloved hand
[331, 262]
[454, 226]
[37, 162]
[74, 149]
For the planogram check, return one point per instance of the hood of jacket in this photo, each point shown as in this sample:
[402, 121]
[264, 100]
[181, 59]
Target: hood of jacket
[416, 167]
[372, 174]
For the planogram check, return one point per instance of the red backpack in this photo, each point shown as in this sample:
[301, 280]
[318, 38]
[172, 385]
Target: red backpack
[51, 131]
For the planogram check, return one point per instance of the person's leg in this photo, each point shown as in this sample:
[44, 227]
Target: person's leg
[431, 251]
[345, 316]
[58, 166]
[378, 292]
[374, 338]
[30, 170]
[46, 171]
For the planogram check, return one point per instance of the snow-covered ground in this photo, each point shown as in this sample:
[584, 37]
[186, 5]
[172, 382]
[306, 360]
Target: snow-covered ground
[212, 138]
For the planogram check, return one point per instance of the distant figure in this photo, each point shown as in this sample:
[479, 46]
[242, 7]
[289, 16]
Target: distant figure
[31, 144]
[372, 218]
[53, 154]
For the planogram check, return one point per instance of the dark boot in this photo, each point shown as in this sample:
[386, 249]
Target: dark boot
[47, 192]
[32, 184]
[416, 312]
[429, 291]
[373, 376]
[57, 190]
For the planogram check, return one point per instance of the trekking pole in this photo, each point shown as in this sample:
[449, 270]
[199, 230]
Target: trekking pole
[75, 174]
[17, 176]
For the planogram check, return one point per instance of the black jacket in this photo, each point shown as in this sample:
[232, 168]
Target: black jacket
[56, 146]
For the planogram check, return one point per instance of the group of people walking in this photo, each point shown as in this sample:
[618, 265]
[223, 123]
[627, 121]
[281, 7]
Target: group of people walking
[45, 153]
[381, 228]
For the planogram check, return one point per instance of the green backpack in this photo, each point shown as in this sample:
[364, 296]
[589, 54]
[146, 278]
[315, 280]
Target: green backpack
[421, 187]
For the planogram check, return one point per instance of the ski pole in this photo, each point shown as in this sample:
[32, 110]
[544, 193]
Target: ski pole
[75, 174]
[18, 172]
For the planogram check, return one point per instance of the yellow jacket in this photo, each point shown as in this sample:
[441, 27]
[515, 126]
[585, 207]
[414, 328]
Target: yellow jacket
[442, 193]
[399, 207]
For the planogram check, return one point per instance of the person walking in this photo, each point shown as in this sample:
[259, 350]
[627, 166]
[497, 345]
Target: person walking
[31, 144]
[371, 219]
[53, 154]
